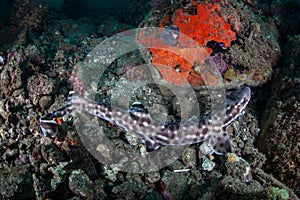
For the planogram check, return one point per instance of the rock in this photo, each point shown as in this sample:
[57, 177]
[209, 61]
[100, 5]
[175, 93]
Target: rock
[52, 154]
[176, 184]
[125, 190]
[15, 181]
[45, 102]
[152, 177]
[81, 184]
[280, 135]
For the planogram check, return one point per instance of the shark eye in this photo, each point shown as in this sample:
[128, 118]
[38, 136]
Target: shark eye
[138, 107]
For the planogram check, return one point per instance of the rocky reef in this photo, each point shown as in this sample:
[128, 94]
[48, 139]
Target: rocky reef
[279, 138]
[44, 55]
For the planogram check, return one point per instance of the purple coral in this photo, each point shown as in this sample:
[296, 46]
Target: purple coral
[217, 63]
[13, 55]
[170, 35]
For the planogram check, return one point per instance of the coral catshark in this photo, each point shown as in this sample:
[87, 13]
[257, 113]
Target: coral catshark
[212, 127]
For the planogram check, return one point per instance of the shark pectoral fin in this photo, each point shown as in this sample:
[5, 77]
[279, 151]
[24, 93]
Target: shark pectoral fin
[151, 144]
[153, 147]
[220, 143]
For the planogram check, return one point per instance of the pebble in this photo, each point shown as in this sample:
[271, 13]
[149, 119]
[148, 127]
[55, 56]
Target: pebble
[45, 102]
[207, 164]
[232, 158]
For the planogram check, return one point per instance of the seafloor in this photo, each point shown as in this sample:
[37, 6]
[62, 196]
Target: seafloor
[103, 50]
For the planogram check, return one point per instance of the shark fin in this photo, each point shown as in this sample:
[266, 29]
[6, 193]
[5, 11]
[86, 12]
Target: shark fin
[220, 143]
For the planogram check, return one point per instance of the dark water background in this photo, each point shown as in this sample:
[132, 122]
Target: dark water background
[76, 9]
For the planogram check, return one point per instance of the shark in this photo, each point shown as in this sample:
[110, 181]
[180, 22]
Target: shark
[212, 126]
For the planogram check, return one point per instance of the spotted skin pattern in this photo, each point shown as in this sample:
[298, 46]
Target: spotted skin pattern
[212, 127]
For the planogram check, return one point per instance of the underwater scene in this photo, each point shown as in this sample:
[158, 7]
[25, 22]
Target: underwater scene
[150, 99]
